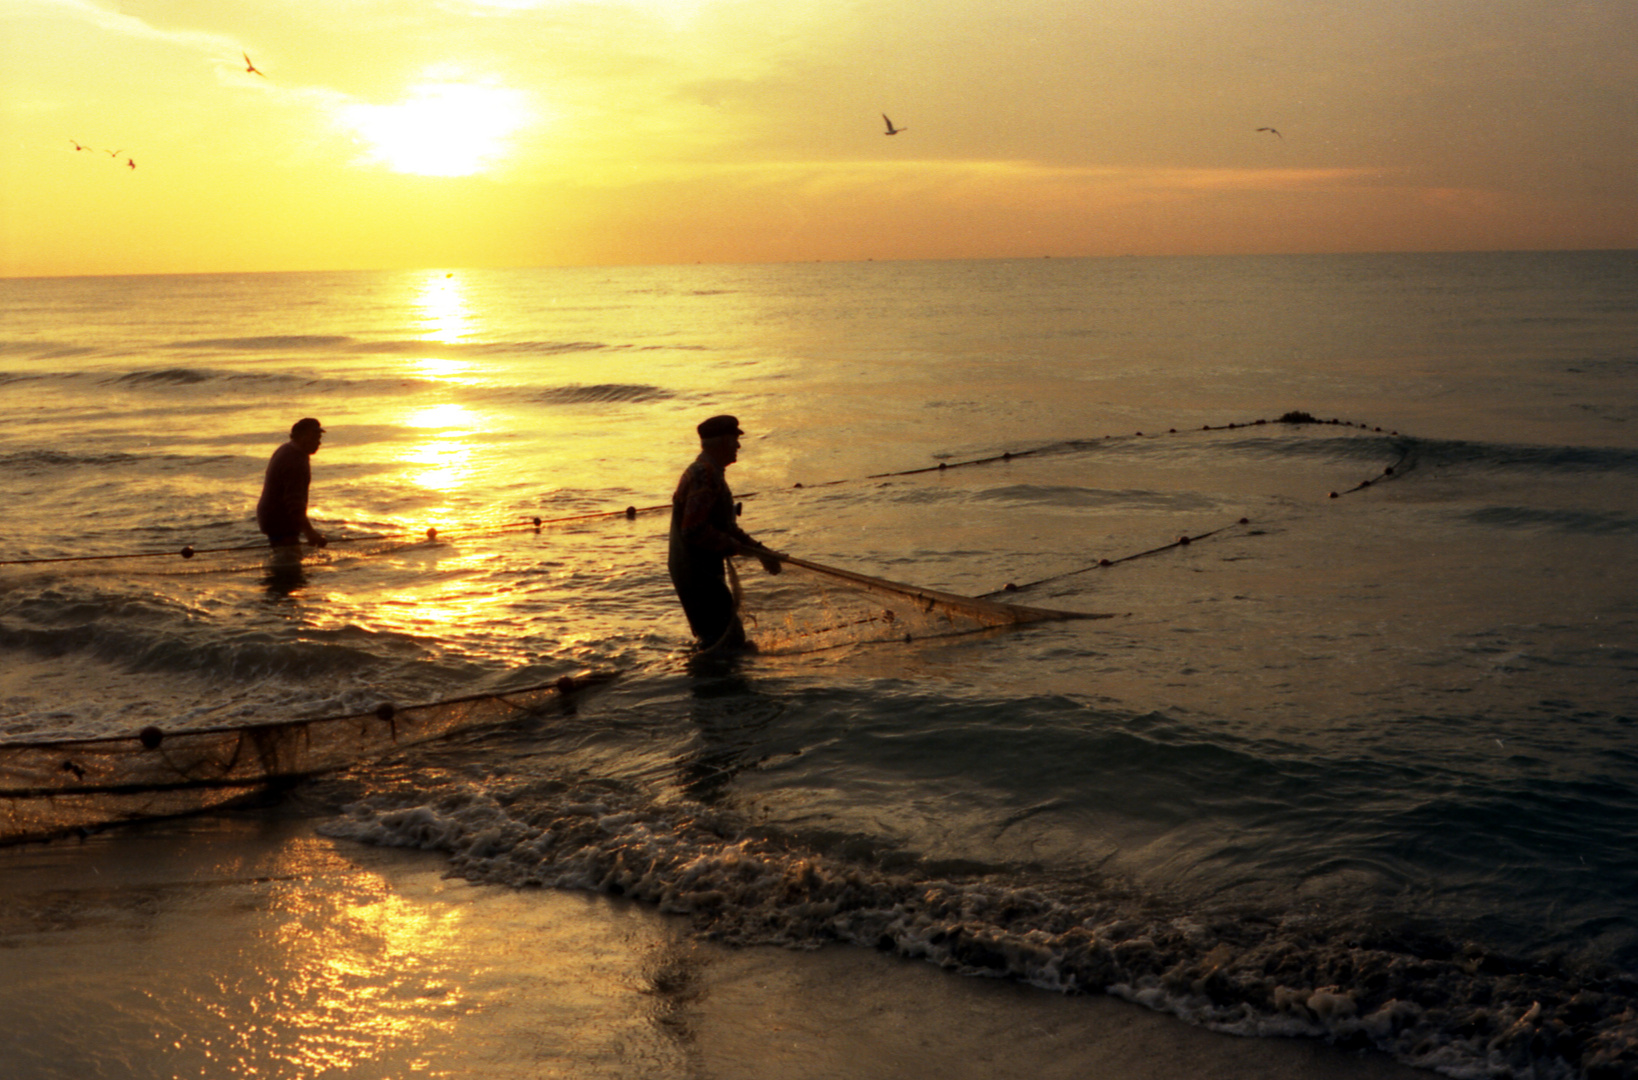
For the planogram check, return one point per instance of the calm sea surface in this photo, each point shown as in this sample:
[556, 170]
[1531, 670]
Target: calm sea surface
[1363, 766]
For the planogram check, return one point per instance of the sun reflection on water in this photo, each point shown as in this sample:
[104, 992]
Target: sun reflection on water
[442, 461]
[470, 609]
[444, 369]
[445, 313]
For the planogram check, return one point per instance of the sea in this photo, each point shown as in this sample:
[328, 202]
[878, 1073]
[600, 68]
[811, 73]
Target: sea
[1354, 754]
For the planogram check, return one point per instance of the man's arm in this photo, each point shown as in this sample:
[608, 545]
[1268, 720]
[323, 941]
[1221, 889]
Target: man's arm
[296, 479]
[700, 500]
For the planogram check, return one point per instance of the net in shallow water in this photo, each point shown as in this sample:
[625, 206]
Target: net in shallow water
[810, 606]
[49, 788]
[52, 787]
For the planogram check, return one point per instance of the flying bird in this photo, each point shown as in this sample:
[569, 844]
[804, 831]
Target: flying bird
[891, 130]
[114, 153]
[77, 146]
[1271, 131]
[249, 67]
[131, 163]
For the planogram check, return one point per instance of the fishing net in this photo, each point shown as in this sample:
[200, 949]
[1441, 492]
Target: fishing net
[810, 606]
[48, 788]
[207, 560]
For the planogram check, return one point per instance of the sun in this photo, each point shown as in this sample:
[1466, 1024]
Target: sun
[441, 129]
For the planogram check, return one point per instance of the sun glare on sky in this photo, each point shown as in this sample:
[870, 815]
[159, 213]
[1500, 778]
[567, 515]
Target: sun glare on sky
[441, 129]
[141, 134]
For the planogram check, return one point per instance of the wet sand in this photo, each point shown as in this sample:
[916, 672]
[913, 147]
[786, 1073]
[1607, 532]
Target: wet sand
[249, 946]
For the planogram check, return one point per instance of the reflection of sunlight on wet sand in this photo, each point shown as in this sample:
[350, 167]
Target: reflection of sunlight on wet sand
[365, 976]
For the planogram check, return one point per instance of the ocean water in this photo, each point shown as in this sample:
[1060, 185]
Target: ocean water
[1359, 761]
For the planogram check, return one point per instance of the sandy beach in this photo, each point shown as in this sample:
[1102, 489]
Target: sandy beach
[247, 945]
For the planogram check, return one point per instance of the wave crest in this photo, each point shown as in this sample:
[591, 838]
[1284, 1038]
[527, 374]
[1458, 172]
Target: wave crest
[603, 394]
[32, 461]
[1429, 1003]
[267, 342]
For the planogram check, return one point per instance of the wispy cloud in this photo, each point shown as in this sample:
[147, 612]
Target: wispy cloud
[131, 26]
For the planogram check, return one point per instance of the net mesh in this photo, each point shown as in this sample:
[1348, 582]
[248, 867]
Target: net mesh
[810, 606]
[48, 788]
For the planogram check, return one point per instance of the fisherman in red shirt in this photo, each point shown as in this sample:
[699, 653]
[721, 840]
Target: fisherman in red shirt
[282, 511]
[704, 535]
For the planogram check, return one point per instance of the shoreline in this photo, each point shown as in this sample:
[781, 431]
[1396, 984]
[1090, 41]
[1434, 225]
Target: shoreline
[246, 944]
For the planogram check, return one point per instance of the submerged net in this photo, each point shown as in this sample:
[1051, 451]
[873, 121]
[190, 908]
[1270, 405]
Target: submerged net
[223, 560]
[810, 606]
[48, 788]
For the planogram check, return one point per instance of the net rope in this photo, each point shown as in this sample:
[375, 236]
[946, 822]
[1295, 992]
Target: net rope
[397, 541]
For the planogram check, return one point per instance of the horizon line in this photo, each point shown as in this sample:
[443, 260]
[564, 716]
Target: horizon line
[1045, 257]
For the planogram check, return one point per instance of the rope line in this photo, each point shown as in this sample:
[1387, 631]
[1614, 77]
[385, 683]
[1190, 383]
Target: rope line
[630, 513]
[1181, 541]
[1406, 461]
[189, 551]
[153, 737]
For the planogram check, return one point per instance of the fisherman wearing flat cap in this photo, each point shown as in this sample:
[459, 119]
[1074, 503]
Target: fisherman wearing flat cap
[704, 535]
[282, 511]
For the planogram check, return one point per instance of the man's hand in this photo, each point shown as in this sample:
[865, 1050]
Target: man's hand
[769, 559]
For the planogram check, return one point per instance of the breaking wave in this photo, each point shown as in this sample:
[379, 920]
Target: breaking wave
[1429, 1001]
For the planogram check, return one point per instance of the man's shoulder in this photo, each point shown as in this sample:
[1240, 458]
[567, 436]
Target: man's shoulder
[289, 455]
[702, 470]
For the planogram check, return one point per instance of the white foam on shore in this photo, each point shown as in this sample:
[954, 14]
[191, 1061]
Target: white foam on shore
[1465, 1014]
[248, 946]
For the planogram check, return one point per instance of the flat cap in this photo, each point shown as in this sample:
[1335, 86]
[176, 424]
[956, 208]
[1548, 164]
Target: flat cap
[718, 426]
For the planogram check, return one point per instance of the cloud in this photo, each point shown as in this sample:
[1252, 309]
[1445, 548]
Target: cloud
[131, 26]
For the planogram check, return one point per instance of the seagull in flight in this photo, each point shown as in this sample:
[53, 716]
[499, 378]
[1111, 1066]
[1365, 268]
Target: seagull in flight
[1273, 132]
[114, 153]
[131, 163]
[77, 146]
[249, 67]
[891, 130]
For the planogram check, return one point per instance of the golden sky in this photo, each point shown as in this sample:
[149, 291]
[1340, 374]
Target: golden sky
[433, 133]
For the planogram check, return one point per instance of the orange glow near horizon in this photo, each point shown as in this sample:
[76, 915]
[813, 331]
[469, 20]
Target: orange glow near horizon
[477, 133]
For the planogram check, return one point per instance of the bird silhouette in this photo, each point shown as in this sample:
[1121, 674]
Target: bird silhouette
[114, 153]
[131, 163]
[77, 146]
[1271, 131]
[249, 67]
[891, 130]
